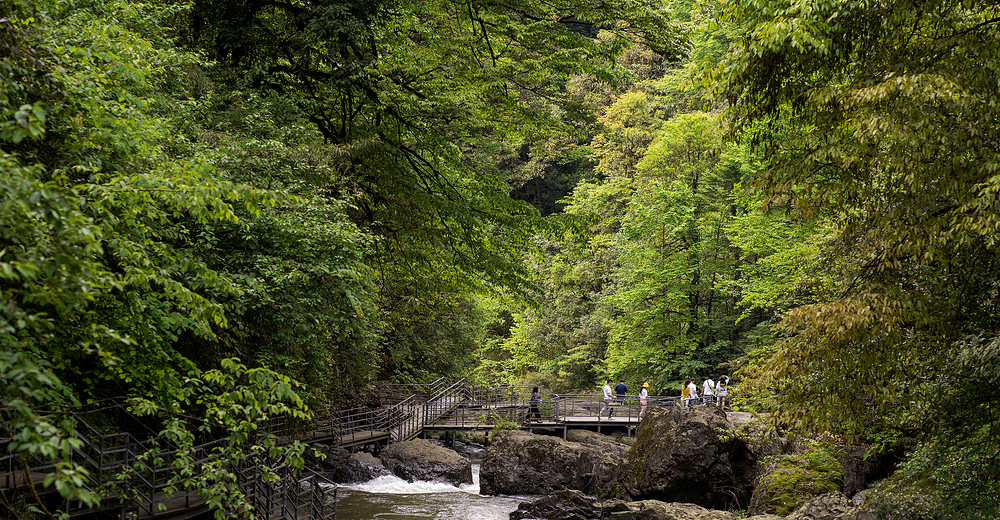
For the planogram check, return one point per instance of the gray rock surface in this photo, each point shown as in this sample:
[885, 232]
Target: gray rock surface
[680, 457]
[421, 459]
[575, 505]
[362, 467]
[519, 463]
[595, 439]
[831, 506]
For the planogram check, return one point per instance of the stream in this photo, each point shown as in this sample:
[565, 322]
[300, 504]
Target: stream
[393, 498]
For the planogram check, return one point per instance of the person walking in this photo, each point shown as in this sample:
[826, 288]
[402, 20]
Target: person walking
[533, 406]
[643, 395]
[708, 389]
[608, 397]
[720, 391]
[620, 391]
[692, 392]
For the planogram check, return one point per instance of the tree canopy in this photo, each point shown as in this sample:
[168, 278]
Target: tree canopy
[880, 118]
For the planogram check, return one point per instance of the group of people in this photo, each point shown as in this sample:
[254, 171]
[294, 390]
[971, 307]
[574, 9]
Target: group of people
[712, 392]
[618, 397]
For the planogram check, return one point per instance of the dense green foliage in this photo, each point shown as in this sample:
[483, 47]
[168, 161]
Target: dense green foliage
[880, 117]
[225, 210]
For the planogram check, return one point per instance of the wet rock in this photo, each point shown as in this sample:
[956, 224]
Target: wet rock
[522, 463]
[421, 459]
[564, 505]
[342, 466]
[331, 457]
[679, 456]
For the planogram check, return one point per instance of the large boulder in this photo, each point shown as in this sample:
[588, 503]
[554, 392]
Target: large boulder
[680, 456]
[342, 466]
[522, 463]
[421, 459]
[790, 480]
[362, 467]
[856, 469]
[575, 505]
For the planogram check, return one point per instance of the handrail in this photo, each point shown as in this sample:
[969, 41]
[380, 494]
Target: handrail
[109, 457]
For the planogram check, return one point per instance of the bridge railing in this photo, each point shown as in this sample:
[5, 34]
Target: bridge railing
[444, 401]
[394, 393]
[401, 420]
[582, 406]
[135, 484]
[308, 496]
[491, 395]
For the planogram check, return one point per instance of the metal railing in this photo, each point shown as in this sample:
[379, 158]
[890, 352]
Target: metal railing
[136, 485]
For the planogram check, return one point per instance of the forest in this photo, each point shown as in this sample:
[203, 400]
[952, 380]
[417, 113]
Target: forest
[220, 210]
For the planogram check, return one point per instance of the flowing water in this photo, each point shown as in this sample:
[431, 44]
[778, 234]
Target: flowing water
[393, 498]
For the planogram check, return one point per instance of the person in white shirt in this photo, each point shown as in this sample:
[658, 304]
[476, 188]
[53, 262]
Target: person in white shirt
[643, 394]
[708, 389]
[720, 391]
[608, 399]
[692, 392]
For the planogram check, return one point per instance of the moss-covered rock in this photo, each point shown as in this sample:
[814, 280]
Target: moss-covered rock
[680, 456]
[793, 479]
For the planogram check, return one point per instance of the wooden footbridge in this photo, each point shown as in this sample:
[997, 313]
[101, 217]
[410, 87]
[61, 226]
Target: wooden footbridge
[409, 411]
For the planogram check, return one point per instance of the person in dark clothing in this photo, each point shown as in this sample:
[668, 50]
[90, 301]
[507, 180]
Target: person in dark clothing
[533, 406]
[620, 391]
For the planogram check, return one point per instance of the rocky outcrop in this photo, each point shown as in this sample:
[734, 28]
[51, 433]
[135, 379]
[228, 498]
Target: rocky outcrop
[473, 452]
[679, 456]
[519, 463]
[831, 506]
[574, 505]
[857, 469]
[423, 460]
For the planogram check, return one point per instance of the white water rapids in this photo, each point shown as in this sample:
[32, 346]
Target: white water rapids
[393, 498]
